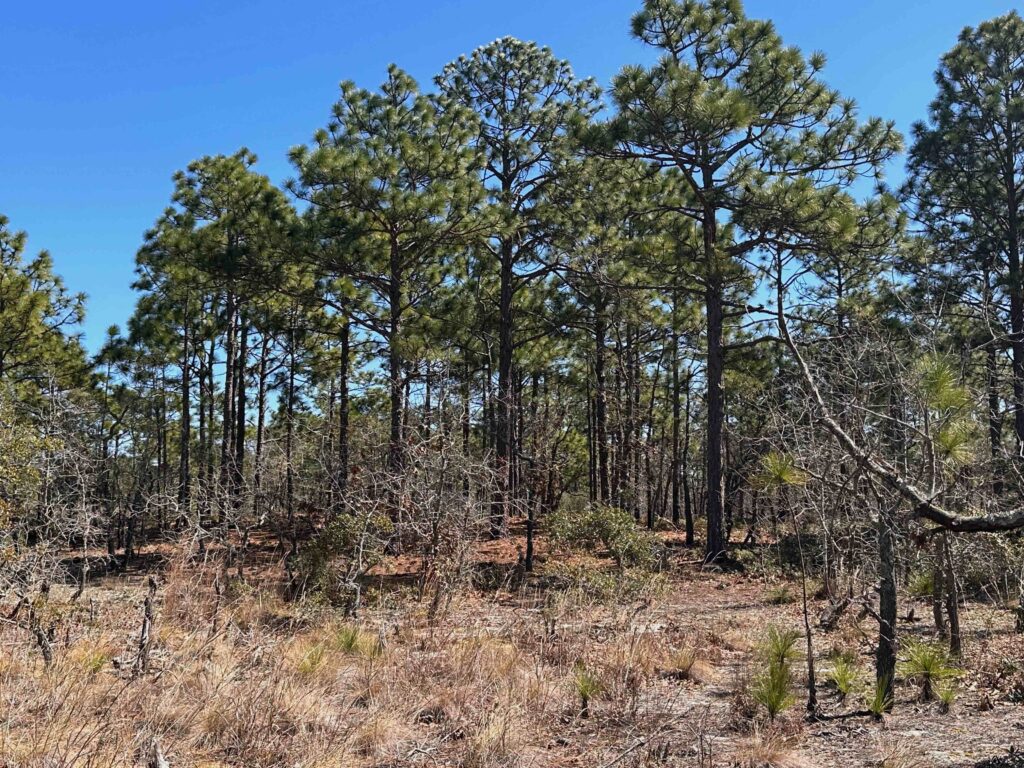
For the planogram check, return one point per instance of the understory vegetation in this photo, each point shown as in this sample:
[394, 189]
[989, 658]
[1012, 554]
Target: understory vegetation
[532, 424]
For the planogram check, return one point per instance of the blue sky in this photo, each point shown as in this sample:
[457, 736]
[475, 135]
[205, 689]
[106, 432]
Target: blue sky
[101, 102]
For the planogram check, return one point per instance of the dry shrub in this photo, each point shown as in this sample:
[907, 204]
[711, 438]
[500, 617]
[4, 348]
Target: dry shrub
[90, 655]
[379, 734]
[626, 666]
[732, 640]
[896, 753]
[485, 659]
[687, 664]
[767, 749]
[497, 742]
[742, 705]
[266, 721]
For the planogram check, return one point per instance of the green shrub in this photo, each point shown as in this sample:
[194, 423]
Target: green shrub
[588, 527]
[947, 695]
[781, 595]
[843, 675]
[312, 660]
[779, 646]
[772, 688]
[921, 584]
[927, 665]
[582, 584]
[351, 640]
[93, 660]
[588, 686]
[879, 701]
[341, 553]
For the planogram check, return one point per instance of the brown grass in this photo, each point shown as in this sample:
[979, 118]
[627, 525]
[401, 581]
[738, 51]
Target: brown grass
[248, 679]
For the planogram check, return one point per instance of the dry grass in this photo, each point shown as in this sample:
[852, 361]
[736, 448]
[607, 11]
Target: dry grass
[893, 752]
[240, 677]
[768, 749]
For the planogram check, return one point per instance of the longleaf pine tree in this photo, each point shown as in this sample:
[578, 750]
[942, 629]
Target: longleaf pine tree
[751, 129]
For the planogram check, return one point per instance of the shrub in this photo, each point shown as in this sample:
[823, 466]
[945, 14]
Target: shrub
[779, 646]
[766, 750]
[581, 583]
[587, 686]
[311, 660]
[680, 664]
[879, 701]
[341, 554]
[589, 526]
[843, 675]
[781, 595]
[772, 688]
[352, 640]
[927, 665]
[921, 584]
[947, 695]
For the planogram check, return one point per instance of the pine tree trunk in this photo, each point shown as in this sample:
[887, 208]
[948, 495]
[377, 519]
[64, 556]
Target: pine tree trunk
[204, 488]
[601, 404]
[995, 419]
[184, 450]
[684, 470]
[503, 432]
[465, 422]
[1015, 286]
[228, 408]
[290, 440]
[238, 467]
[341, 473]
[885, 656]
[676, 409]
[261, 411]
[395, 368]
[716, 544]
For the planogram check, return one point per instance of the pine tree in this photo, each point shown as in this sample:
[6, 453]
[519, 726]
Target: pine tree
[394, 183]
[526, 100]
[966, 176]
[751, 129]
[38, 317]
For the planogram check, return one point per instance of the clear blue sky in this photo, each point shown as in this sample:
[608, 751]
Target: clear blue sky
[100, 102]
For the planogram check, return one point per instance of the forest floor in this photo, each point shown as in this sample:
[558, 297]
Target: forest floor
[483, 676]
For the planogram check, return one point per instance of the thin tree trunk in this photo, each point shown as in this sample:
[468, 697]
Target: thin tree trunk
[261, 411]
[685, 472]
[716, 544]
[601, 404]
[228, 408]
[341, 473]
[504, 426]
[885, 656]
[184, 450]
[952, 601]
[290, 439]
[675, 425]
[238, 468]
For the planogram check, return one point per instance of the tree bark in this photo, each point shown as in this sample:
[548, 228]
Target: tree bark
[601, 403]
[228, 408]
[261, 411]
[184, 449]
[341, 472]
[503, 431]
[238, 467]
[715, 510]
[885, 655]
